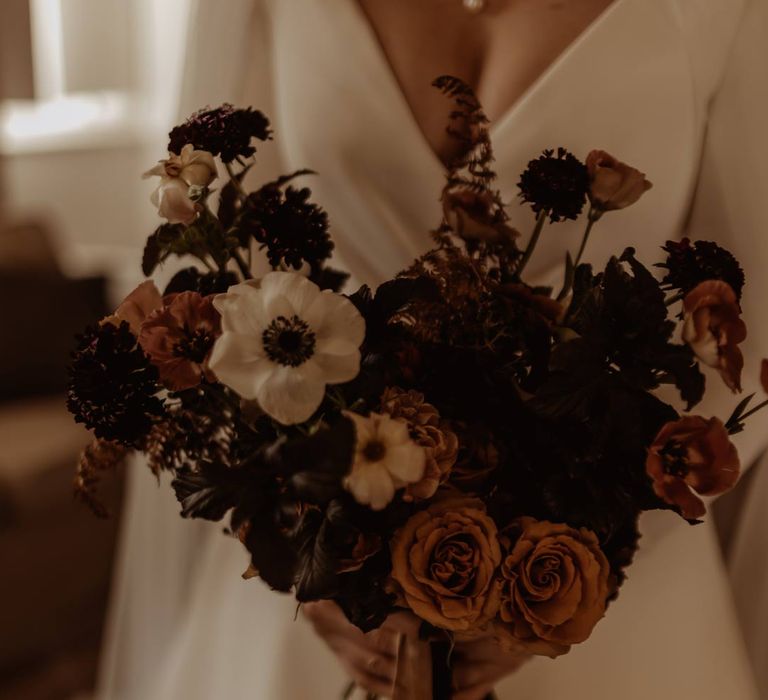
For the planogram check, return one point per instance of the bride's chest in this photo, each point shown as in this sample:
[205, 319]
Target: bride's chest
[625, 85]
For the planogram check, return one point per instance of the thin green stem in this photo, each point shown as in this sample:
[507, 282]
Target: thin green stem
[540, 221]
[674, 299]
[244, 269]
[236, 181]
[594, 216]
[205, 262]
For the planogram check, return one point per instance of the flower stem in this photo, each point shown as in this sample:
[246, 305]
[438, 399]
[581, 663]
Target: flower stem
[233, 176]
[674, 299]
[540, 221]
[238, 258]
[594, 216]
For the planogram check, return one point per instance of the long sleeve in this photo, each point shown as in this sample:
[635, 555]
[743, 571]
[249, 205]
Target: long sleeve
[731, 207]
[161, 557]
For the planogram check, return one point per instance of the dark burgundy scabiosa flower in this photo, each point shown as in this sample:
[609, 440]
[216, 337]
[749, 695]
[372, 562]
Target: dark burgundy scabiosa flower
[688, 264]
[556, 183]
[179, 337]
[224, 131]
[113, 385]
[293, 229]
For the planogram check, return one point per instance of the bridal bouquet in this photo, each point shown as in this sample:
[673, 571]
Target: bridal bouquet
[457, 443]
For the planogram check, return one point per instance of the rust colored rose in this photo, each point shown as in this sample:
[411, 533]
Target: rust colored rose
[613, 184]
[139, 304]
[444, 562]
[440, 443]
[554, 586]
[471, 215]
[713, 329]
[179, 337]
[692, 454]
[442, 448]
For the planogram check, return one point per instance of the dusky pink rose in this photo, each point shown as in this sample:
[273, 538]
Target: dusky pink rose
[613, 184]
[713, 329]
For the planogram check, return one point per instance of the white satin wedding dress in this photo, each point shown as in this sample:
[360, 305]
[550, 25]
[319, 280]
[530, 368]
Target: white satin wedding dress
[677, 88]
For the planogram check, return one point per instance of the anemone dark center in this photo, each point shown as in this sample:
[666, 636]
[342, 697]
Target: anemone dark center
[289, 341]
[195, 345]
[374, 451]
[674, 458]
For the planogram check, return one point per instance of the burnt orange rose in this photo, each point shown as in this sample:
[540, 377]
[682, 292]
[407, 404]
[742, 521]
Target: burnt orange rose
[692, 453]
[613, 184]
[444, 562]
[471, 215]
[554, 586]
[713, 329]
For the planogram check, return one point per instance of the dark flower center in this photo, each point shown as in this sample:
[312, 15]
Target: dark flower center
[288, 341]
[195, 346]
[374, 451]
[674, 458]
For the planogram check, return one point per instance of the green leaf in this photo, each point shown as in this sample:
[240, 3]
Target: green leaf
[159, 246]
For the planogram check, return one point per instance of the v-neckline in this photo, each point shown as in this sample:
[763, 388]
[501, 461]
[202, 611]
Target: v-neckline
[390, 78]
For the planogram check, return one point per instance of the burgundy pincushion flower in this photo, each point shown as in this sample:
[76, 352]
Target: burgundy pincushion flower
[112, 385]
[688, 264]
[293, 229]
[224, 131]
[557, 184]
[179, 338]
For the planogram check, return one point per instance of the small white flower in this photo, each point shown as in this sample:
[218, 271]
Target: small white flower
[283, 341]
[178, 174]
[386, 459]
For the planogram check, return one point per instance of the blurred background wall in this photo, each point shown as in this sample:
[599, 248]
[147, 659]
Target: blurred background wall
[88, 89]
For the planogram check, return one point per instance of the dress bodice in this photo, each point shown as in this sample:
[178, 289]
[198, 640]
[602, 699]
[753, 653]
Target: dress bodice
[627, 85]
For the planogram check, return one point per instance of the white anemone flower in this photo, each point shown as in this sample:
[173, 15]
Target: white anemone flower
[283, 340]
[177, 174]
[386, 459]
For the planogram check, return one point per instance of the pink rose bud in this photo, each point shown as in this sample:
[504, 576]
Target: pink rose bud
[613, 184]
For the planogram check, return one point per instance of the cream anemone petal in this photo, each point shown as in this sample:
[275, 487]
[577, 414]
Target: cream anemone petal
[381, 487]
[338, 369]
[238, 361]
[363, 427]
[371, 485]
[341, 321]
[296, 288]
[406, 462]
[291, 395]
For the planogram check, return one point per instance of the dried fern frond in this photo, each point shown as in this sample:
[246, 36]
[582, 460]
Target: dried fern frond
[469, 125]
[95, 459]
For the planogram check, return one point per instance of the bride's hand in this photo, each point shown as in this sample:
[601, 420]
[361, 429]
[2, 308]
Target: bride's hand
[371, 658]
[479, 665]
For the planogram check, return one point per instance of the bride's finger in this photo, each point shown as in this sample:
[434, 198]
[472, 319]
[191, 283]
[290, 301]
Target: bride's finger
[365, 660]
[476, 675]
[478, 692]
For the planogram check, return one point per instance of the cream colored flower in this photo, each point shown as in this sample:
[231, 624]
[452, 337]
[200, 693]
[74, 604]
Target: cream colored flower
[283, 341]
[177, 174]
[386, 459]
